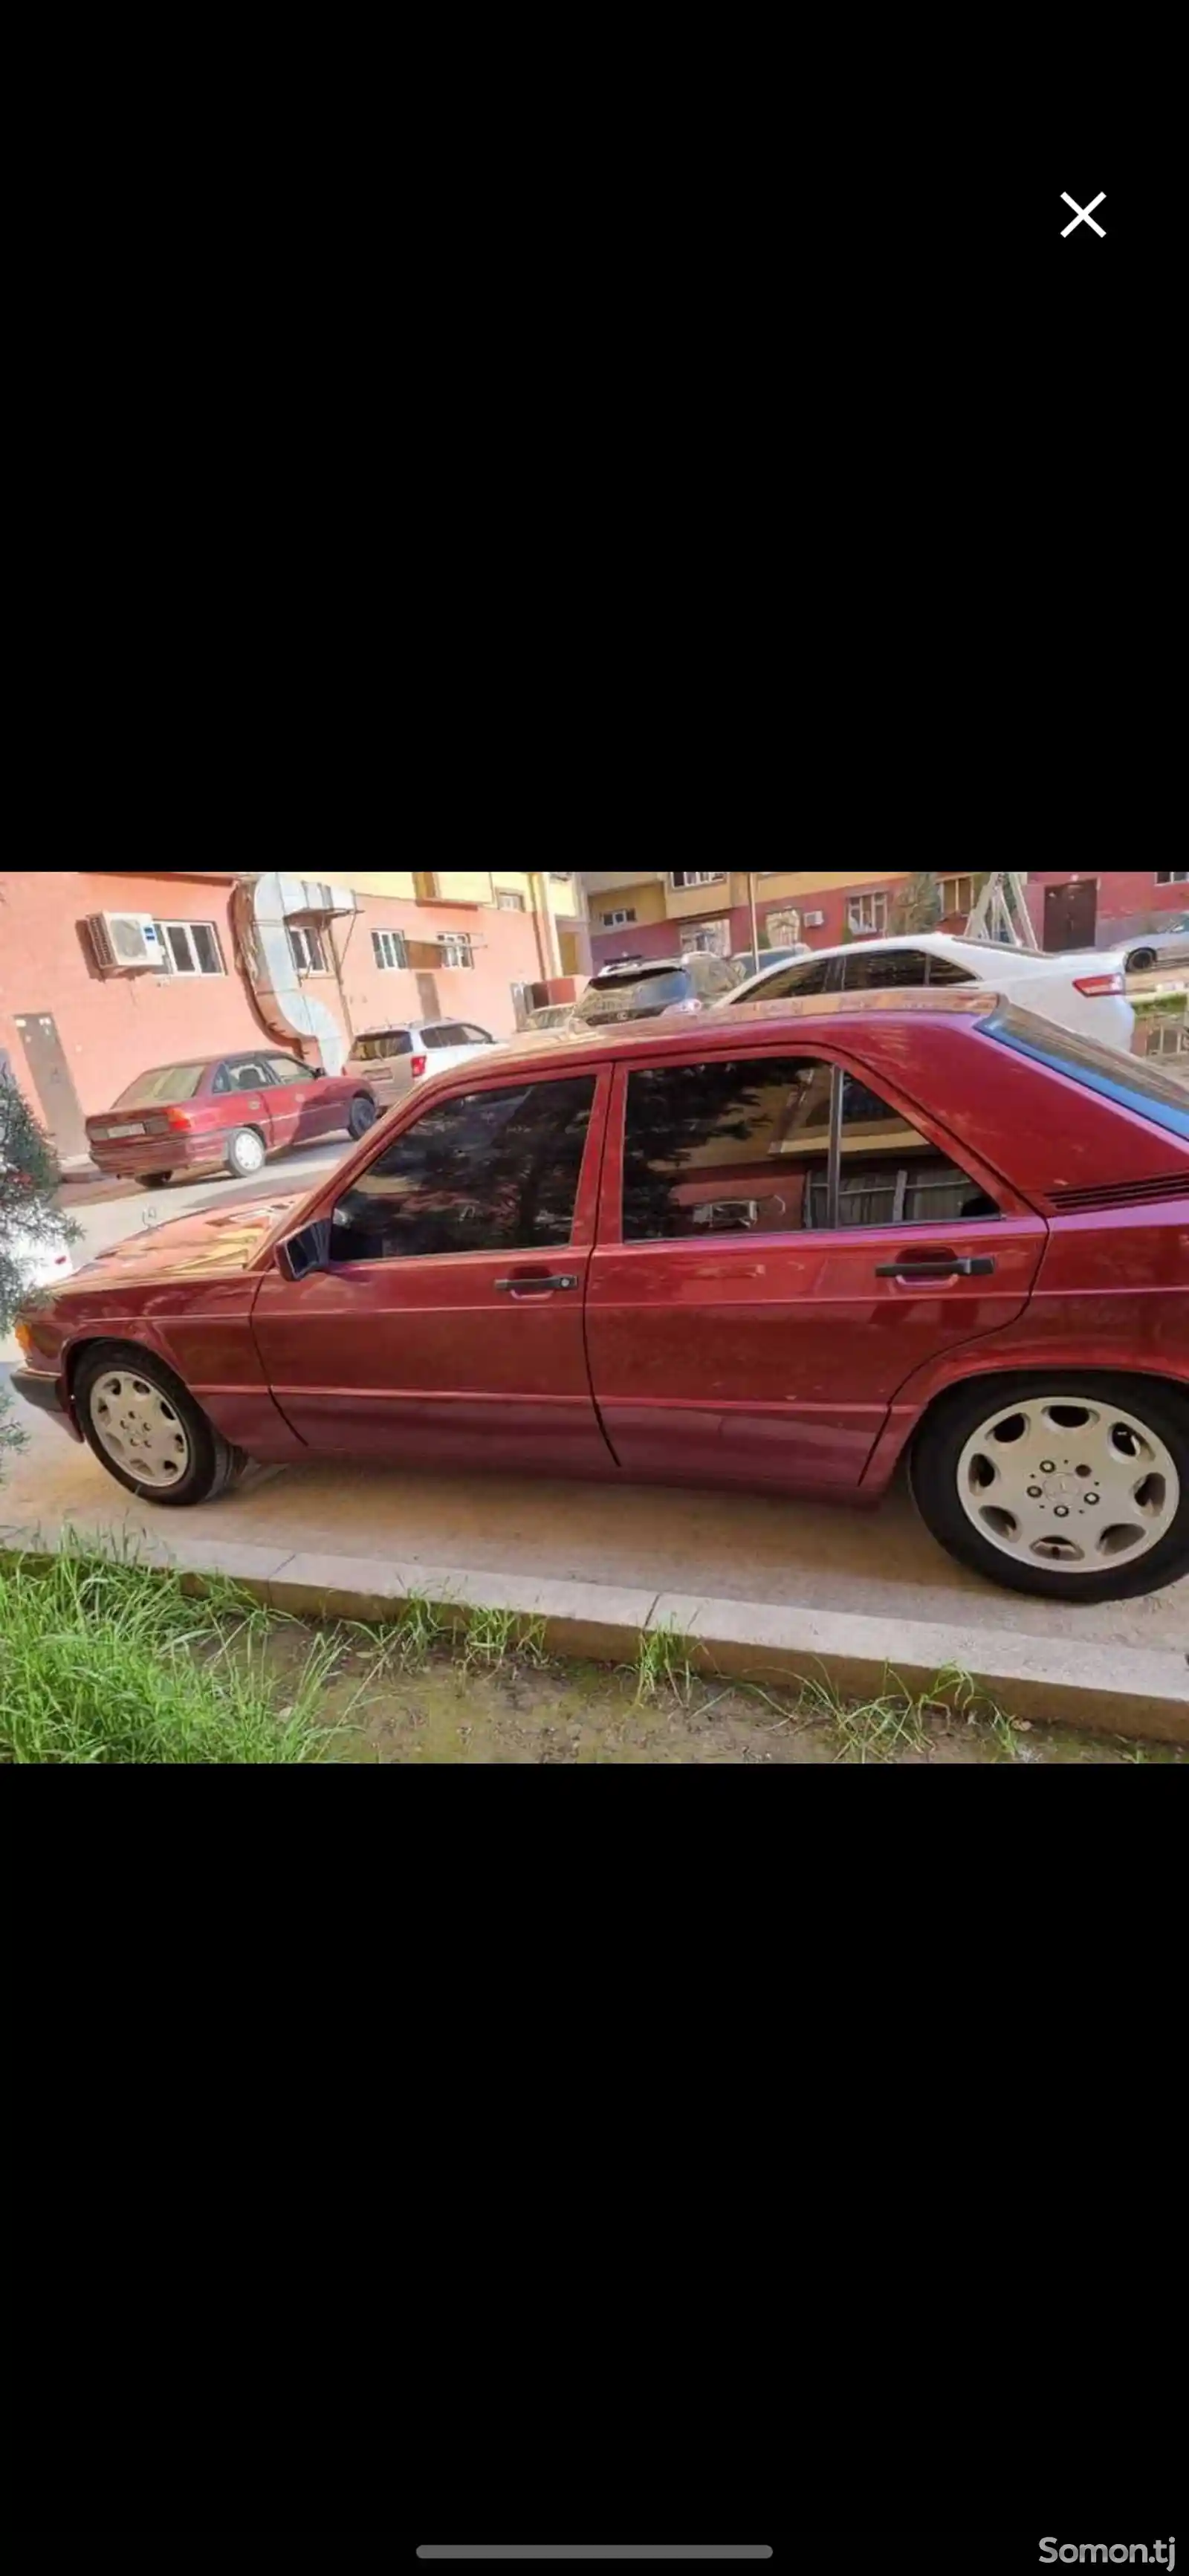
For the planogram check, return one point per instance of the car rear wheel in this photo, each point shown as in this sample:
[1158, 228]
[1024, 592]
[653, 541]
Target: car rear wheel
[362, 1115]
[148, 1432]
[1072, 1485]
[1140, 960]
[246, 1153]
[156, 1180]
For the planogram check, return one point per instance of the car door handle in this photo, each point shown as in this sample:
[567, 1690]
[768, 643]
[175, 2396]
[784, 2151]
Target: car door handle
[964, 1266]
[533, 1283]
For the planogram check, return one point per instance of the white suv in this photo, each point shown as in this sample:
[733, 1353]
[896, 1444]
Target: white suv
[391, 1060]
[1083, 989]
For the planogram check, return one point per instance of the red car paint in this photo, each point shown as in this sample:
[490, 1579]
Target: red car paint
[779, 1361]
[192, 1133]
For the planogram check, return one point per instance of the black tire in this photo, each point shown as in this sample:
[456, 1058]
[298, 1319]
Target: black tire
[362, 1115]
[942, 1437]
[1140, 960]
[214, 1464]
[238, 1145]
[156, 1180]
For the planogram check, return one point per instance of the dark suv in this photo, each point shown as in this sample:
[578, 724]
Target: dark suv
[640, 988]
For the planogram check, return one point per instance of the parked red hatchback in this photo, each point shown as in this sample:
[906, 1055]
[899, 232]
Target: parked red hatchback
[785, 1250]
[233, 1110]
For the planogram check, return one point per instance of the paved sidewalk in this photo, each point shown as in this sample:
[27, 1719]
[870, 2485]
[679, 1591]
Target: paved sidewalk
[738, 1547]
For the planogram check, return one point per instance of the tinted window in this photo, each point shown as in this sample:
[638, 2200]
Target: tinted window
[1132, 1080]
[944, 970]
[891, 1174]
[793, 981]
[478, 1037]
[629, 997]
[722, 1148]
[380, 1044]
[285, 1068]
[155, 1090]
[877, 970]
[495, 1171]
[739, 1148]
[448, 1033]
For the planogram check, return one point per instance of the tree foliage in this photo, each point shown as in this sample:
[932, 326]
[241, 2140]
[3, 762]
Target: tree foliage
[30, 1218]
[916, 905]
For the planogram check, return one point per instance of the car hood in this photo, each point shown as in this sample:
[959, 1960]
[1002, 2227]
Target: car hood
[213, 1239]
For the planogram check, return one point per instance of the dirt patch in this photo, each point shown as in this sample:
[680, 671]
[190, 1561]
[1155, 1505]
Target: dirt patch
[446, 1710]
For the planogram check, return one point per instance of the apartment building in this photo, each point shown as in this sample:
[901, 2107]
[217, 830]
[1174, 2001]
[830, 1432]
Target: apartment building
[104, 973]
[651, 912]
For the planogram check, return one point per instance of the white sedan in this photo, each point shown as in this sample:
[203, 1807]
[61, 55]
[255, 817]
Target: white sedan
[1082, 989]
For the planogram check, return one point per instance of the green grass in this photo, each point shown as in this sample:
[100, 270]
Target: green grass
[104, 1660]
[496, 1637]
[663, 1664]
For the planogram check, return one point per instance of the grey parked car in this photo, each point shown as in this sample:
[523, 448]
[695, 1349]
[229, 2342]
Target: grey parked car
[1166, 947]
[391, 1060]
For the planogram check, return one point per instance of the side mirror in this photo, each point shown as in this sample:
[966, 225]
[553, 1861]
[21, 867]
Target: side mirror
[301, 1254]
[319, 1071]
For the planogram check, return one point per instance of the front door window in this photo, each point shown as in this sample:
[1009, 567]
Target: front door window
[490, 1171]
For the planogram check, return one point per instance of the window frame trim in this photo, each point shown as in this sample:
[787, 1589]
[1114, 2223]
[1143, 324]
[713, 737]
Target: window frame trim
[190, 974]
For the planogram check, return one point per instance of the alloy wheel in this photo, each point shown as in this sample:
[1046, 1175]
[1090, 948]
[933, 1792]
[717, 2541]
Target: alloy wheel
[1068, 1481]
[139, 1429]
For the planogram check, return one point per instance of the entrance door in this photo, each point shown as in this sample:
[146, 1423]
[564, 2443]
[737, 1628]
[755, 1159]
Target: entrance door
[61, 1110]
[447, 1327]
[1071, 914]
[758, 1295]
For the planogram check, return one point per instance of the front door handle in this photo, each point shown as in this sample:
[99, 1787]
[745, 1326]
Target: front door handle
[532, 1283]
[967, 1265]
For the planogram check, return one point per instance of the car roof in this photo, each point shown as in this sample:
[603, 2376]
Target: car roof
[943, 942]
[718, 1032]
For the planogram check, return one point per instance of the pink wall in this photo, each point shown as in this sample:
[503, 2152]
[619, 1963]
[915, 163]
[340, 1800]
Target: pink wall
[1129, 899]
[113, 1027]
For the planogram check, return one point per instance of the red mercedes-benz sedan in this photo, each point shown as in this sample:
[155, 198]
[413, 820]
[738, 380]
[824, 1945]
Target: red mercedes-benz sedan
[232, 1110]
[783, 1249]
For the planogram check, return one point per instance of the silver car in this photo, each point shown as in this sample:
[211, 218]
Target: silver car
[1166, 947]
[391, 1060]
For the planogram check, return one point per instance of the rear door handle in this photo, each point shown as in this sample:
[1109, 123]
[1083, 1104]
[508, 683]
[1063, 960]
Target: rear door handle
[965, 1266]
[533, 1284]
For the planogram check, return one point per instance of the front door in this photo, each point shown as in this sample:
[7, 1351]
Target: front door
[61, 1109]
[779, 1248]
[447, 1328]
[1071, 914]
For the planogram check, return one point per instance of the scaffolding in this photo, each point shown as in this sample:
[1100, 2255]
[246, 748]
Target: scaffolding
[1001, 912]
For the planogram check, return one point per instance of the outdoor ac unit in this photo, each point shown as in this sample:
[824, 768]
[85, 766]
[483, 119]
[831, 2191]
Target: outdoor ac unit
[124, 941]
[814, 920]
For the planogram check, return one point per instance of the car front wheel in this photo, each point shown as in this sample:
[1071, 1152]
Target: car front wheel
[1072, 1485]
[148, 1432]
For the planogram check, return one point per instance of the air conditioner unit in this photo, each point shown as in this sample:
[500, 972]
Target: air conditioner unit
[125, 941]
[814, 920]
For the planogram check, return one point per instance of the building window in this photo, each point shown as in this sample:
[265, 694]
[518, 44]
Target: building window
[389, 950]
[867, 912]
[619, 920]
[1172, 876]
[712, 939]
[957, 895]
[190, 948]
[306, 950]
[507, 900]
[457, 949]
[681, 879]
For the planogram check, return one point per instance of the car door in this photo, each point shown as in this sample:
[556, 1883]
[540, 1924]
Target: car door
[780, 1246]
[446, 1328]
[303, 1106]
[248, 1098]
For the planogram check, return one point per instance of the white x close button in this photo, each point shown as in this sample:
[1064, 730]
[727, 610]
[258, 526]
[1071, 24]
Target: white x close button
[1082, 214]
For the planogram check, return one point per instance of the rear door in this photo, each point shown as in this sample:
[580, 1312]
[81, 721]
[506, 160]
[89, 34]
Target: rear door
[780, 1246]
[447, 1330]
[245, 1090]
[302, 1106]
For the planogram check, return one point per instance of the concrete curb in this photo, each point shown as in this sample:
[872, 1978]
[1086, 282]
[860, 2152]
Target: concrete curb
[1134, 1691]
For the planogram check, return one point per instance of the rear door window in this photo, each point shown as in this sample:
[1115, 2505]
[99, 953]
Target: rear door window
[791, 982]
[448, 1033]
[879, 970]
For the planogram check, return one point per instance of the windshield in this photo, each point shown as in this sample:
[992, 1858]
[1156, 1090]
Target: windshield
[380, 1043]
[1132, 1080]
[154, 1090]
